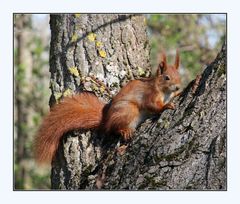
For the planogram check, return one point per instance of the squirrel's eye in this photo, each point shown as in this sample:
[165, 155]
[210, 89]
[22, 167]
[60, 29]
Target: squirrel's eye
[166, 77]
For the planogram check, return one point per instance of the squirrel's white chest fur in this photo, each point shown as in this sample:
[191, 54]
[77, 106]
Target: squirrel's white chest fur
[167, 97]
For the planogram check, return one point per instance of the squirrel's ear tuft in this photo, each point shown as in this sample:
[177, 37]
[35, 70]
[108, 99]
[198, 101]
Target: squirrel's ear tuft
[162, 66]
[177, 59]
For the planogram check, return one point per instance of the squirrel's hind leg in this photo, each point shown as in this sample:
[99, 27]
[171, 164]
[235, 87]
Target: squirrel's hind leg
[128, 122]
[126, 133]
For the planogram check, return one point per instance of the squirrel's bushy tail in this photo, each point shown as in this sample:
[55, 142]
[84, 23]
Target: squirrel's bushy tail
[83, 111]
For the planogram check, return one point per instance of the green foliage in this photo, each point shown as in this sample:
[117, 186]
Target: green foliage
[31, 77]
[40, 180]
[198, 37]
[20, 75]
[32, 178]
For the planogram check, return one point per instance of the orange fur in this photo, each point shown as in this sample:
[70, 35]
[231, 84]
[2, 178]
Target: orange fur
[140, 99]
[83, 111]
[135, 102]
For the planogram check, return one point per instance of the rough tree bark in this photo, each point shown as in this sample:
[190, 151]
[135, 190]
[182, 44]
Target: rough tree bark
[181, 149]
[112, 48]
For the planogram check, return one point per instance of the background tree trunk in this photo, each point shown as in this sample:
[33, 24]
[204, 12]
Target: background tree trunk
[31, 93]
[181, 149]
[23, 75]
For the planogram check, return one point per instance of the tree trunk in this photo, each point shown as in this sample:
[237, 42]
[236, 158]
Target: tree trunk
[184, 149]
[181, 149]
[23, 76]
[112, 49]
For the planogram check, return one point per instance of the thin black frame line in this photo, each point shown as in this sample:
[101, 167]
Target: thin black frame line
[120, 190]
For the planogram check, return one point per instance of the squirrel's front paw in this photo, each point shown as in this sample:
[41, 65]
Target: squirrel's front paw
[170, 106]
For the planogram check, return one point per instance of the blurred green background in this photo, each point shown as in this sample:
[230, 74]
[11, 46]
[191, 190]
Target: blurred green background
[198, 37]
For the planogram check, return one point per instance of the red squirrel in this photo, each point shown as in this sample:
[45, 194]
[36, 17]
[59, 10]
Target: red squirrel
[135, 102]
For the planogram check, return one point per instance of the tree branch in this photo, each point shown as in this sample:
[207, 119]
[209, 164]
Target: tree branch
[182, 149]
